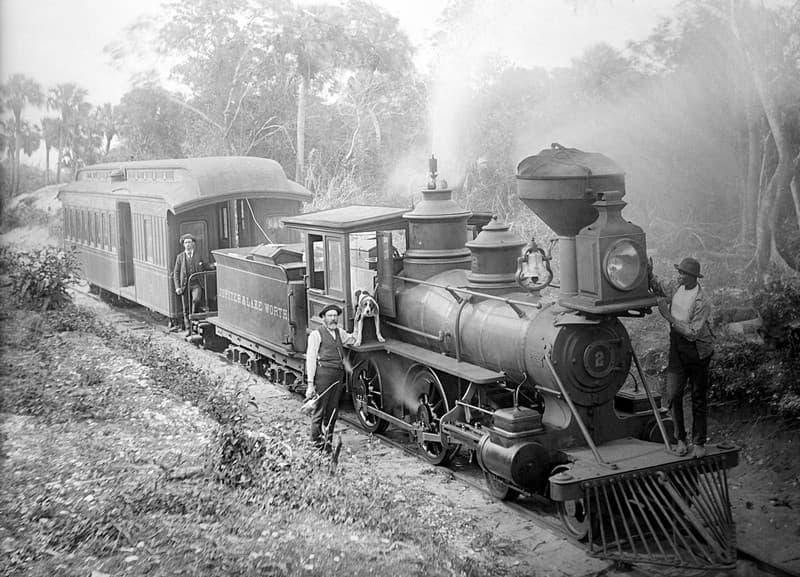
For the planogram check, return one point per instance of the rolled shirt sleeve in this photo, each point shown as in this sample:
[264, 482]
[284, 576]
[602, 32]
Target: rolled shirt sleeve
[312, 351]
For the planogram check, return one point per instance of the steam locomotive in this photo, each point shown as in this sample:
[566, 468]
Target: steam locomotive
[476, 359]
[544, 390]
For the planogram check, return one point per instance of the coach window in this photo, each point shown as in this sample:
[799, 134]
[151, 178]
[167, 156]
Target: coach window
[148, 239]
[223, 223]
[112, 232]
[98, 230]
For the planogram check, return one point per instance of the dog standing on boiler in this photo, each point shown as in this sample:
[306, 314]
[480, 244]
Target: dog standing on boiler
[366, 307]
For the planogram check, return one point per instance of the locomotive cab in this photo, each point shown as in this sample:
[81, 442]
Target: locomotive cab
[345, 251]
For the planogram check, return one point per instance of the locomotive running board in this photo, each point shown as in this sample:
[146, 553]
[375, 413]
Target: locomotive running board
[676, 514]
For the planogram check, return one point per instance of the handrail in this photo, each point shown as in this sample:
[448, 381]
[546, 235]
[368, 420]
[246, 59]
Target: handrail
[204, 274]
[650, 398]
[439, 338]
[513, 303]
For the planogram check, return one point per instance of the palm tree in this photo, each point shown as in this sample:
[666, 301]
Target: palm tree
[67, 99]
[107, 124]
[50, 128]
[19, 92]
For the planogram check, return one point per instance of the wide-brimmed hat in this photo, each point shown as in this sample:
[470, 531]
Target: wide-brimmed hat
[690, 266]
[188, 236]
[330, 308]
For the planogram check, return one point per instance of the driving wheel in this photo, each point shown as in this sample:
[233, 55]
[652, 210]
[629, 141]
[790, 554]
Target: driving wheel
[367, 392]
[433, 406]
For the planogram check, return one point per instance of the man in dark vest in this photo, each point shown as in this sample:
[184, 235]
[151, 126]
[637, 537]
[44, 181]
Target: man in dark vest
[325, 367]
[188, 263]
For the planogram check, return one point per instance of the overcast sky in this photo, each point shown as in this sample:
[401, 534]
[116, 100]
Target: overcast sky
[62, 41]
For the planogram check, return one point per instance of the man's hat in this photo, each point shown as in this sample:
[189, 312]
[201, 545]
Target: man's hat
[188, 236]
[690, 266]
[330, 308]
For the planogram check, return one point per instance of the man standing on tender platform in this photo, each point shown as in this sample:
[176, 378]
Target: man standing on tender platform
[686, 307]
[325, 367]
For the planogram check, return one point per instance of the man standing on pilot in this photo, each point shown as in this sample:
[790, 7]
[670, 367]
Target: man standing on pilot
[686, 307]
[325, 372]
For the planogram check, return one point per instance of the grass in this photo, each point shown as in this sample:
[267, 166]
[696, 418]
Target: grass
[113, 463]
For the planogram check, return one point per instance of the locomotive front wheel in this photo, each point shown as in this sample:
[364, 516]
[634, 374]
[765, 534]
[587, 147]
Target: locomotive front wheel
[367, 392]
[499, 488]
[433, 406]
[575, 518]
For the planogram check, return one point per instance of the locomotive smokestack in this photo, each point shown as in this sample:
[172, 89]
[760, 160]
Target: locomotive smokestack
[560, 185]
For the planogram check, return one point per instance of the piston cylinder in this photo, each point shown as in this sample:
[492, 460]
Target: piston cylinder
[525, 464]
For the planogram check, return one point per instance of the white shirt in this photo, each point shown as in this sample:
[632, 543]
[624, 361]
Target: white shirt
[682, 303]
[314, 341]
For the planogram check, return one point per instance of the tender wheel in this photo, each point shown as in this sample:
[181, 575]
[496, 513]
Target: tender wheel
[433, 406]
[574, 516]
[499, 488]
[367, 392]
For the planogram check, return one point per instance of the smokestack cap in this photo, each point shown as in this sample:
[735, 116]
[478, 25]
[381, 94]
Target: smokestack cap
[560, 184]
[559, 163]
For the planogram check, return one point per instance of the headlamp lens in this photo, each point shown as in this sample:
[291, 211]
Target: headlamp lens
[623, 265]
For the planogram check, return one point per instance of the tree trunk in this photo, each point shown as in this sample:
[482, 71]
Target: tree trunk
[784, 171]
[302, 89]
[15, 190]
[46, 164]
[750, 193]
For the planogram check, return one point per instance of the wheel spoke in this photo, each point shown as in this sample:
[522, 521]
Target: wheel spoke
[367, 393]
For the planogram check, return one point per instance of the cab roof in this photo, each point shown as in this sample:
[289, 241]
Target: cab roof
[187, 183]
[350, 219]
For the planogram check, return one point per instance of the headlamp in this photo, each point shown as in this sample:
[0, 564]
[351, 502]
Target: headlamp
[623, 265]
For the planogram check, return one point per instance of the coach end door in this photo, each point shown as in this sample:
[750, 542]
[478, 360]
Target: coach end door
[125, 243]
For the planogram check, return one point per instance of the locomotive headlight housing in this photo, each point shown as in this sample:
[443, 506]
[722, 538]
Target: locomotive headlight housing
[622, 265]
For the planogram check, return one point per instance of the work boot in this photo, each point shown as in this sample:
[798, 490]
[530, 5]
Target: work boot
[699, 451]
[681, 448]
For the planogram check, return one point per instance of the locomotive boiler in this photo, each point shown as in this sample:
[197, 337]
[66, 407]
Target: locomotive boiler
[484, 356]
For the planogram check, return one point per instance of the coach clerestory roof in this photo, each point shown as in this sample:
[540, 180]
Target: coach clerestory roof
[186, 183]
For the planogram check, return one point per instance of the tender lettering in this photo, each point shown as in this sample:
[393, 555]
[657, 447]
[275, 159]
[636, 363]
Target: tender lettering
[245, 301]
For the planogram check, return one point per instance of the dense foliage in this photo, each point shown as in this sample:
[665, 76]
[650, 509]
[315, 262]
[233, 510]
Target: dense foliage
[767, 374]
[40, 278]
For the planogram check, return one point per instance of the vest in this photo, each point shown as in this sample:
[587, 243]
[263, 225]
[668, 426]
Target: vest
[331, 352]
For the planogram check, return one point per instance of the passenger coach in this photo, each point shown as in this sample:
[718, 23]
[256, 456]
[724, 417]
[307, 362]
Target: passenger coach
[126, 219]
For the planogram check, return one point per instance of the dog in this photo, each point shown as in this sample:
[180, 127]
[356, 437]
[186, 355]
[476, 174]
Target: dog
[366, 306]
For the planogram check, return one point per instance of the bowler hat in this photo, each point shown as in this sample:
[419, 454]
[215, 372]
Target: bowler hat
[188, 236]
[330, 308]
[690, 266]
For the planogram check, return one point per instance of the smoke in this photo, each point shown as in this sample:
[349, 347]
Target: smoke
[524, 33]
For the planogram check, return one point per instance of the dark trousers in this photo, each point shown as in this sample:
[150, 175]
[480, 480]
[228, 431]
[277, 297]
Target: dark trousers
[686, 365]
[324, 413]
[191, 300]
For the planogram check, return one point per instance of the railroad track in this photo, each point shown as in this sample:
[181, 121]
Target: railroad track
[536, 510]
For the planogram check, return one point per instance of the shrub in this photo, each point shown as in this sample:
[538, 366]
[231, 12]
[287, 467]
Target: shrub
[758, 375]
[40, 278]
[778, 303]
